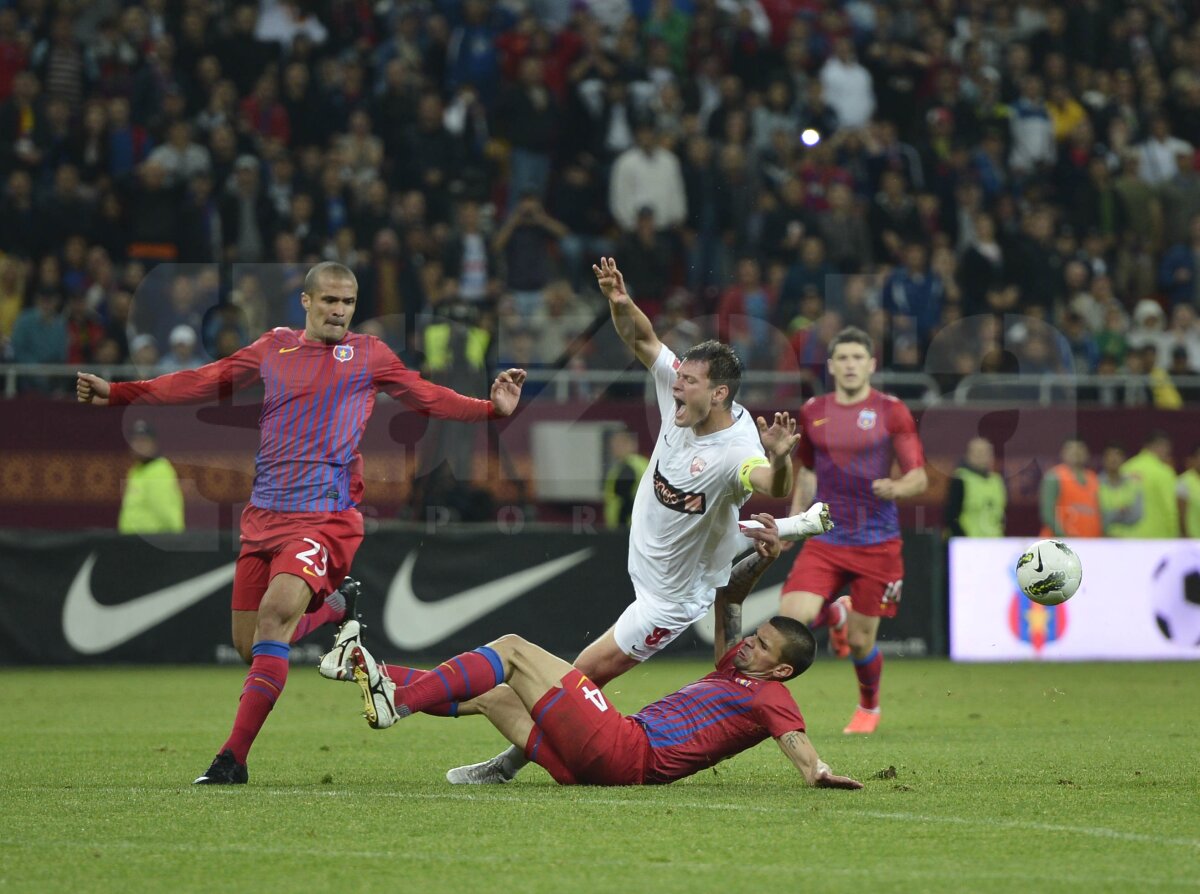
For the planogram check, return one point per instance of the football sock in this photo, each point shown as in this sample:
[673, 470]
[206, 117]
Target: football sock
[514, 759]
[825, 617]
[462, 677]
[542, 753]
[326, 614]
[406, 676]
[869, 670]
[264, 683]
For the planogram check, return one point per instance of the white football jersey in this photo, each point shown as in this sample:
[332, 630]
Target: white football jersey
[683, 534]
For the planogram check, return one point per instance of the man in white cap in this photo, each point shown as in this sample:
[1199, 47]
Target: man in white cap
[183, 350]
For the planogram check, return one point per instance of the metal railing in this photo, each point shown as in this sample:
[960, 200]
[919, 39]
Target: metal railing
[915, 388]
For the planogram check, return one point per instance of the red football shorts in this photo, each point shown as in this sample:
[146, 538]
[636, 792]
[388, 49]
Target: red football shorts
[596, 742]
[315, 546]
[875, 573]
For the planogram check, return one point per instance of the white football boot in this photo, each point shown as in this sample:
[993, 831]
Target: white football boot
[378, 689]
[812, 521]
[336, 664]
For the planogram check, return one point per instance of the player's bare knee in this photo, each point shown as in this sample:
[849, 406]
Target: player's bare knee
[860, 642]
[509, 646]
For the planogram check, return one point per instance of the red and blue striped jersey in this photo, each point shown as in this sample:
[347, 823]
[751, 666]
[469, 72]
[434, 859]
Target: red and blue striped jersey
[316, 403]
[714, 718]
[850, 445]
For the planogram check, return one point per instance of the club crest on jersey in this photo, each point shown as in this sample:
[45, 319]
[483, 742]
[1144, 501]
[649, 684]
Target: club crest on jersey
[697, 466]
[866, 419]
[675, 499]
[342, 353]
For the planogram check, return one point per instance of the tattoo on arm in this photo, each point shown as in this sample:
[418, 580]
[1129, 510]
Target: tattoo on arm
[733, 625]
[745, 575]
[791, 740]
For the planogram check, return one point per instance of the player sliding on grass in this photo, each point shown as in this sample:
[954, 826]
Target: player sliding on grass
[300, 529]
[709, 458]
[562, 721]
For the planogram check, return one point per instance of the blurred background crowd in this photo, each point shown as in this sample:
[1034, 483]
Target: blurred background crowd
[983, 186]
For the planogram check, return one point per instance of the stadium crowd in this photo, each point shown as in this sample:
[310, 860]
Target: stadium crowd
[982, 186]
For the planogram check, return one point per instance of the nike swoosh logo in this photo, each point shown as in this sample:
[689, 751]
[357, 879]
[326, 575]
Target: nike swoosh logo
[761, 605]
[91, 628]
[817, 422]
[1039, 568]
[412, 624]
[289, 350]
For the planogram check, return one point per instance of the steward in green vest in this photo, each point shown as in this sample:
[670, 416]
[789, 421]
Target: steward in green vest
[1121, 500]
[977, 499]
[621, 483]
[153, 501]
[1155, 472]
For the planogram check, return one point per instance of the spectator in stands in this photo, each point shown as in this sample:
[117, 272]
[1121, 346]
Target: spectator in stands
[180, 158]
[1159, 154]
[1032, 133]
[1070, 495]
[152, 500]
[579, 201]
[1154, 470]
[1178, 273]
[647, 176]
[1149, 328]
[847, 85]
[647, 259]
[527, 242]
[913, 295]
[469, 258]
[1121, 500]
[976, 497]
[529, 116]
[247, 216]
[844, 229]
[893, 219]
[182, 354]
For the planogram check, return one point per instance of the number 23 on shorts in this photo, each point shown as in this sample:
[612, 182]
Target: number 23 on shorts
[315, 567]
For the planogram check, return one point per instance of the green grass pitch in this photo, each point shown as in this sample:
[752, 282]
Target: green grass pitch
[1024, 778]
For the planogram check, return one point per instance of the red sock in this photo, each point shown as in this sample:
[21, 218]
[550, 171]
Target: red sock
[264, 683]
[462, 677]
[869, 670]
[404, 676]
[822, 617]
[542, 753]
[308, 623]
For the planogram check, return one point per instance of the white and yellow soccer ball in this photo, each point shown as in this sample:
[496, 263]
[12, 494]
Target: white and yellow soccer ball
[1049, 572]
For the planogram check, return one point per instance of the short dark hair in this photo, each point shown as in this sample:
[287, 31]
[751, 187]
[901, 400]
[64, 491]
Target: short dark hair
[724, 365]
[799, 646]
[852, 335]
[1156, 436]
[331, 269]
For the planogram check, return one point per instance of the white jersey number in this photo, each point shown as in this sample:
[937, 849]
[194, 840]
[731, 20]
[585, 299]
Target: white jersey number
[596, 697]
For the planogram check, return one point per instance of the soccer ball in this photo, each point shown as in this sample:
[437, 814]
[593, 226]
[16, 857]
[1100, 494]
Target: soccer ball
[1175, 593]
[1049, 572]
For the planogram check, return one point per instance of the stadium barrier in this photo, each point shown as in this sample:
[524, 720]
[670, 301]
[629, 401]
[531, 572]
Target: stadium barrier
[1139, 600]
[104, 598]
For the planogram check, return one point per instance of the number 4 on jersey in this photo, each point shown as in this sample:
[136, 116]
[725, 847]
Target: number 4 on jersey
[596, 697]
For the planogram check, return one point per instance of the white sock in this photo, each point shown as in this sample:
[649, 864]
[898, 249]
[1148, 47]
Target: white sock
[336, 601]
[512, 760]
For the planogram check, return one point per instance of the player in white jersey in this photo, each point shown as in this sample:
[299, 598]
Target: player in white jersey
[710, 457]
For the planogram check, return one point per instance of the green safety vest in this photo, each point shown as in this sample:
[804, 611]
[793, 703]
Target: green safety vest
[1190, 481]
[1160, 507]
[437, 347]
[612, 501]
[153, 502]
[1118, 496]
[984, 501]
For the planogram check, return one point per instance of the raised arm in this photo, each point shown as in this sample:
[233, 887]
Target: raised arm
[632, 325]
[728, 605]
[805, 759]
[430, 399]
[778, 440]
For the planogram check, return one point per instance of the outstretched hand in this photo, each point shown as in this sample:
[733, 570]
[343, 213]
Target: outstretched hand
[780, 438]
[91, 389]
[766, 539]
[610, 280]
[506, 391]
[826, 778]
